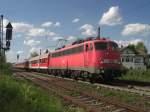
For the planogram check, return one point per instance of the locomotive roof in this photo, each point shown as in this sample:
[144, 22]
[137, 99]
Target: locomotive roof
[44, 55]
[34, 58]
[39, 57]
[75, 45]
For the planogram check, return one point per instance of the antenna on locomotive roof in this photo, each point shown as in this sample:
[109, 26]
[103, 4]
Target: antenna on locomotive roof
[99, 32]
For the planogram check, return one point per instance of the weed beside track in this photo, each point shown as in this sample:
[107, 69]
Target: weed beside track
[84, 99]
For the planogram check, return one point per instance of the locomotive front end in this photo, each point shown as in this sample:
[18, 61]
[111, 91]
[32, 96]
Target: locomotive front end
[107, 58]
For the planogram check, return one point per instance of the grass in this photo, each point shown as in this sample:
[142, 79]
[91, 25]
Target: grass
[137, 75]
[22, 97]
[123, 96]
[5, 69]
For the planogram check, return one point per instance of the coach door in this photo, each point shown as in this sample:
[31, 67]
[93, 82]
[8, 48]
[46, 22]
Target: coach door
[88, 55]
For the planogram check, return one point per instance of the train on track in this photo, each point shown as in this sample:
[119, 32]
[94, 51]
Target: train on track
[93, 58]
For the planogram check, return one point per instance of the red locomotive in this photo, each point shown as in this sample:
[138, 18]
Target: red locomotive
[91, 58]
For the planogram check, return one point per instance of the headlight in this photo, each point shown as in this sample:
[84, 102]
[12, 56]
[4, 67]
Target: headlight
[110, 61]
[117, 61]
[105, 61]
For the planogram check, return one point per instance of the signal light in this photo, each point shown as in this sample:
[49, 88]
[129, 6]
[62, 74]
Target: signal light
[9, 31]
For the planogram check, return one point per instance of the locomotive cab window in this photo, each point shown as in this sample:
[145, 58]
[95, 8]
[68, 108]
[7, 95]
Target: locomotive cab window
[101, 45]
[114, 46]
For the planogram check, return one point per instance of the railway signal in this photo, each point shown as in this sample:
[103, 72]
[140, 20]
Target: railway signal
[4, 41]
[9, 31]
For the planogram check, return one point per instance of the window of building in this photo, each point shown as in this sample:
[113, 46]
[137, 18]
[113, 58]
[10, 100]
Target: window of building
[127, 59]
[138, 60]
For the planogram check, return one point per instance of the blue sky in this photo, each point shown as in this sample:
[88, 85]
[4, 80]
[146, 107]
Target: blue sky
[38, 24]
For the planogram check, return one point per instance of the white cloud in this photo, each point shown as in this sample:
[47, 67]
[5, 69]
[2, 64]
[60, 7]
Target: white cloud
[51, 34]
[31, 42]
[136, 29]
[71, 38]
[19, 52]
[87, 30]
[11, 56]
[40, 32]
[47, 24]
[35, 49]
[21, 27]
[37, 32]
[76, 20]
[57, 24]
[127, 42]
[57, 38]
[5, 22]
[111, 17]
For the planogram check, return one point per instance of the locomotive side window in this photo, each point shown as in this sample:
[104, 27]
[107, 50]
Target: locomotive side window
[69, 51]
[101, 45]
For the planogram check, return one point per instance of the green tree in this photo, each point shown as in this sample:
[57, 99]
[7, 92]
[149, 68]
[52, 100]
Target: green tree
[141, 46]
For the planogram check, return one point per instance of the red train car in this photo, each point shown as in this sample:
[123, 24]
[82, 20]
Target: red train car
[34, 63]
[22, 65]
[39, 63]
[43, 62]
[93, 58]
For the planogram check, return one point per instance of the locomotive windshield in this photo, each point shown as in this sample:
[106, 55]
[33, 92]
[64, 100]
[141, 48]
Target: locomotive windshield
[101, 46]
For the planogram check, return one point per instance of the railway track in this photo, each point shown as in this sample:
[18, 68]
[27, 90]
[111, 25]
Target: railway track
[92, 102]
[143, 90]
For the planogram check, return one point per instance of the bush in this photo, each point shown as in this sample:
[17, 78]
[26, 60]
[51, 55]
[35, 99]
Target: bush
[137, 75]
[6, 69]
[21, 97]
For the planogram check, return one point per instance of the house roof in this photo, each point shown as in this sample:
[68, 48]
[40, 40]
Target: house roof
[136, 51]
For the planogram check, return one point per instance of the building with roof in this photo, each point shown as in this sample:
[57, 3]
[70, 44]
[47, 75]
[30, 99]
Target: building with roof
[132, 58]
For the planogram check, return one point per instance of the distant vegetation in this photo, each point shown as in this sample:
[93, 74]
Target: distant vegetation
[139, 46]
